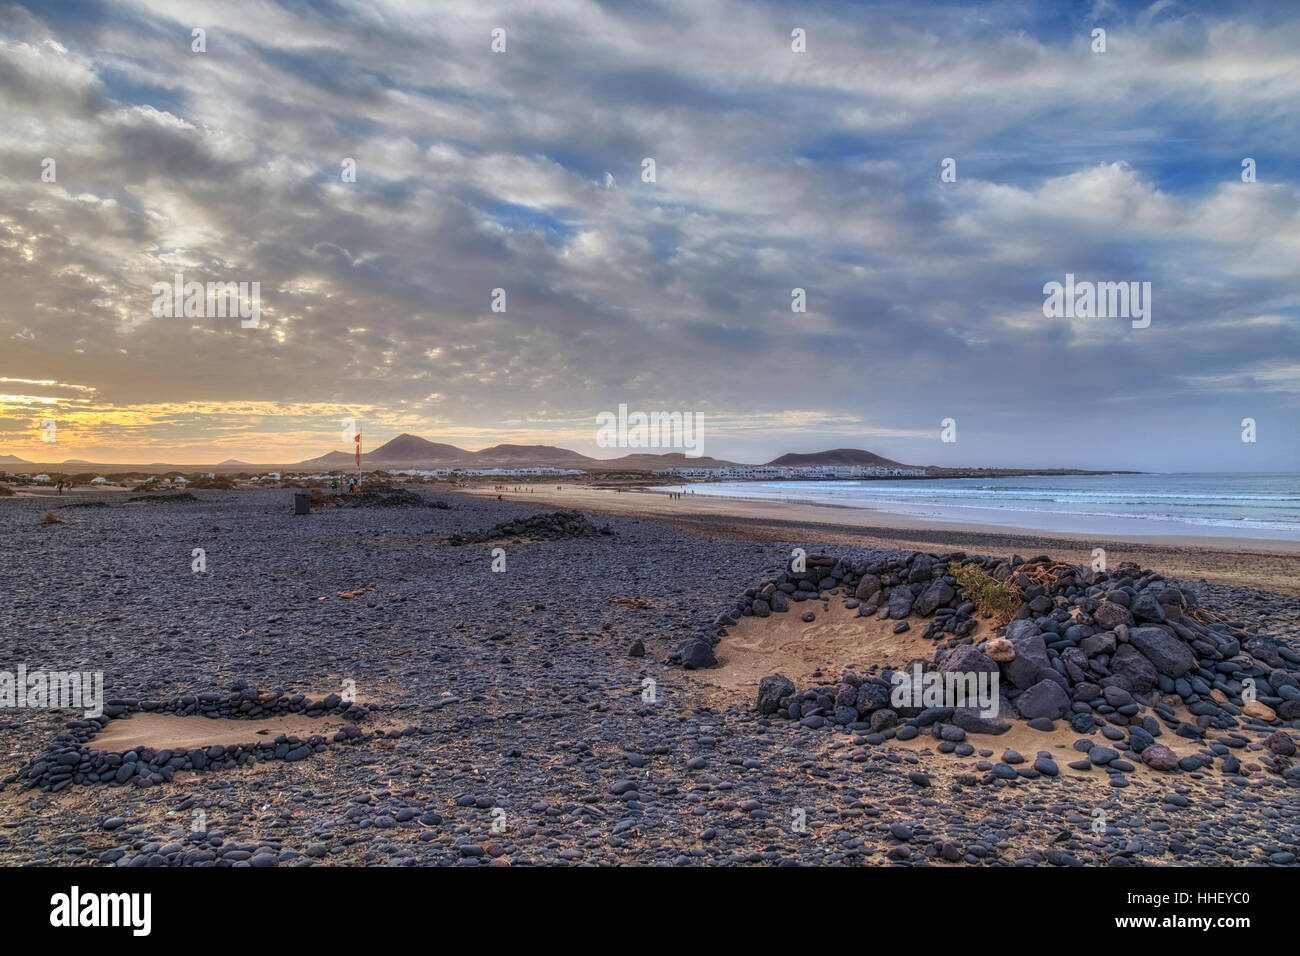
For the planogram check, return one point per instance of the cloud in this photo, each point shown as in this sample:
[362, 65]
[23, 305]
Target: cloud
[774, 170]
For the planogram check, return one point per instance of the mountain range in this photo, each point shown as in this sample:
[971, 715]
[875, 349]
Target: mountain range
[413, 452]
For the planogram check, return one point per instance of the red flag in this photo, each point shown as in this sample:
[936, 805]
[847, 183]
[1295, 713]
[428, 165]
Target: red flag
[357, 439]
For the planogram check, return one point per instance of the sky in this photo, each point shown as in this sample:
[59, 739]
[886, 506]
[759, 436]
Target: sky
[523, 170]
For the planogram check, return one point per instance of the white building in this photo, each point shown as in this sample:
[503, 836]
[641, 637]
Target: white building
[792, 472]
[486, 472]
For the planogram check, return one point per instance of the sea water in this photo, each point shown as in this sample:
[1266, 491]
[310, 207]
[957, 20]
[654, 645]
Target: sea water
[1244, 505]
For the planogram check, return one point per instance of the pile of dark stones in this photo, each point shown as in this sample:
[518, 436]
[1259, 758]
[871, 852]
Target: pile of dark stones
[397, 498]
[165, 498]
[549, 526]
[894, 587]
[1111, 652]
[71, 758]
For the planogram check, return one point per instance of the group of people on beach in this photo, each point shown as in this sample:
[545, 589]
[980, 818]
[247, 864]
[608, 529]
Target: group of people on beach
[352, 485]
[677, 494]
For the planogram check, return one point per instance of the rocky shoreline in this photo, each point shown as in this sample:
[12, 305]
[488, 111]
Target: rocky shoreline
[524, 733]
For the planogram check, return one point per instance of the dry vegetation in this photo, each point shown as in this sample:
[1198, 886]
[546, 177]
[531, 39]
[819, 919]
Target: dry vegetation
[993, 599]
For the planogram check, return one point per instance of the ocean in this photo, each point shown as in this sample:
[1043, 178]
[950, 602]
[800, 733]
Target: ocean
[1227, 504]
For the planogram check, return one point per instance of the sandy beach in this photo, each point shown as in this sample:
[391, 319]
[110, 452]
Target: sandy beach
[1243, 562]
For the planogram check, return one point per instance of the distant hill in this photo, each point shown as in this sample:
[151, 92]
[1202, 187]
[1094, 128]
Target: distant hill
[13, 460]
[837, 456]
[648, 462]
[404, 451]
[234, 463]
[514, 456]
[413, 448]
[333, 459]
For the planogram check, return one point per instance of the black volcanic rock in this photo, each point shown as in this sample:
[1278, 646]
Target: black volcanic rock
[551, 526]
[1164, 649]
[771, 690]
[1044, 699]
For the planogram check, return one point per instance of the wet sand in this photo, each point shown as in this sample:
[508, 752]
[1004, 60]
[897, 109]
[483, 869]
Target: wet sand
[1273, 565]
